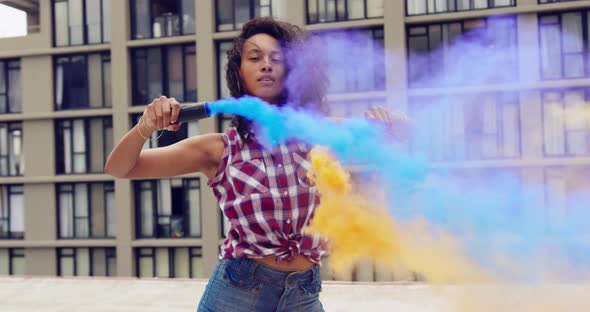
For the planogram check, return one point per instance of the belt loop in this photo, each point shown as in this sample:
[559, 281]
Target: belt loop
[253, 268]
[316, 272]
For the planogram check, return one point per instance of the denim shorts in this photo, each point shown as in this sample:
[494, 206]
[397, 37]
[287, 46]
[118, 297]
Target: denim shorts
[246, 285]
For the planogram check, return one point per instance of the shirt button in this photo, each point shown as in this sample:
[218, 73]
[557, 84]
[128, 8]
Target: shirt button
[280, 166]
[288, 221]
[285, 193]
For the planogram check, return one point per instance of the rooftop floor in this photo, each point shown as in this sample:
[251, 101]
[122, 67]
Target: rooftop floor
[50, 294]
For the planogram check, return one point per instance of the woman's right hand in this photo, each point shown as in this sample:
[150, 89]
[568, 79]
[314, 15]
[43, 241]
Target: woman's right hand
[161, 114]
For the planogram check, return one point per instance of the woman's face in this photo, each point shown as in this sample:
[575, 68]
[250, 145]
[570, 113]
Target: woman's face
[263, 68]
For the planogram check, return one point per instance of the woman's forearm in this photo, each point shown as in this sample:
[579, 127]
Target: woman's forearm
[126, 153]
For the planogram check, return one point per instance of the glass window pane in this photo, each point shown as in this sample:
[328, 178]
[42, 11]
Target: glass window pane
[18, 265]
[110, 209]
[82, 262]
[162, 263]
[147, 211]
[356, 9]
[550, 52]
[188, 17]
[17, 215]
[66, 266]
[175, 73]
[14, 92]
[374, 8]
[242, 12]
[98, 209]
[93, 26]
[224, 15]
[4, 261]
[62, 37]
[181, 263]
[156, 87]
[95, 80]
[146, 267]
[99, 262]
[224, 47]
[75, 19]
[106, 76]
[194, 198]
[197, 267]
[142, 19]
[106, 20]
[190, 74]
[553, 128]
[573, 36]
[66, 212]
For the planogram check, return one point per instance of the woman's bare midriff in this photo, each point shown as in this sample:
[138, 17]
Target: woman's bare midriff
[299, 263]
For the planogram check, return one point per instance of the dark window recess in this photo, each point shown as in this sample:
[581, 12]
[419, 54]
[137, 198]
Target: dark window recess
[326, 11]
[420, 7]
[10, 87]
[233, 14]
[162, 18]
[82, 81]
[79, 22]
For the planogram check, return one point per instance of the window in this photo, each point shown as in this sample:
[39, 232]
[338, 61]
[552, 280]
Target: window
[555, 1]
[77, 22]
[346, 76]
[457, 53]
[325, 11]
[563, 39]
[418, 7]
[10, 92]
[86, 261]
[162, 18]
[12, 261]
[169, 70]
[223, 120]
[566, 197]
[566, 131]
[476, 127]
[11, 152]
[83, 145]
[183, 262]
[168, 208]
[86, 210]
[233, 14]
[12, 212]
[187, 129]
[354, 109]
[83, 81]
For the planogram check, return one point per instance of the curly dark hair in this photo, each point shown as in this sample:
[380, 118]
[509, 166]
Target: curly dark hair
[305, 80]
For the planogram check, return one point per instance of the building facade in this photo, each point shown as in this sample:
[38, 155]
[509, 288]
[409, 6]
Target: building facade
[80, 80]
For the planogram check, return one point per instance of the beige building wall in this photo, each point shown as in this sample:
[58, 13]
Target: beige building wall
[36, 56]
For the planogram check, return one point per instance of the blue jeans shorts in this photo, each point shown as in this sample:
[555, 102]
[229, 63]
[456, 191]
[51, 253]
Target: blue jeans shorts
[246, 285]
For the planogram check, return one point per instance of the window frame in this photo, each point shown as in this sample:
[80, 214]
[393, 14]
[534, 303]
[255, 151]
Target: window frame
[338, 18]
[150, 252]
[154, 185]
[110, 252]
[567, 153]
[252, 14]
[490, 5]
[187, 50]
[8, 65]
[59, 127]
[84, 25]
[105, 58]
[133, 20]
[11, 128]
[10, 191]
[413, 85]
[108, 187]
[585, 23]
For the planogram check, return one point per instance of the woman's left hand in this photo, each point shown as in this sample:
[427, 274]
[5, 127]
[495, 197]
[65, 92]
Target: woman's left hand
[398, 125]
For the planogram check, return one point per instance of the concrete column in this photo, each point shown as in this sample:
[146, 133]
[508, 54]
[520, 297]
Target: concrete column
[395, 54]
[121, 99]
[295, 12]
[207, 90]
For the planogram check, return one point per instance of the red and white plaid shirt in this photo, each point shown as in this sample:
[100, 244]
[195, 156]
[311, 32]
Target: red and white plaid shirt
[268, 200]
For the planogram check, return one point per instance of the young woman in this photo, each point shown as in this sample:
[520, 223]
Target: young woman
[267, 264]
